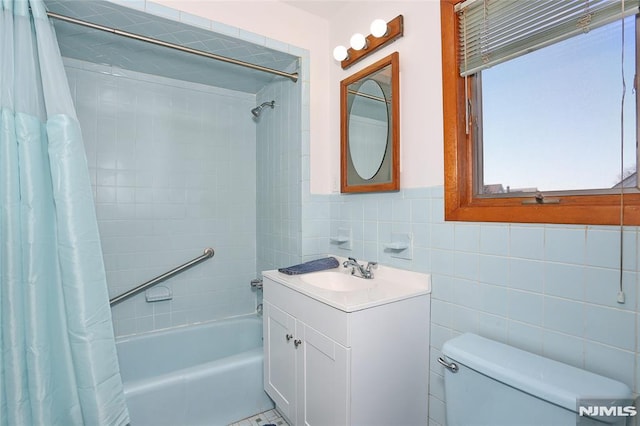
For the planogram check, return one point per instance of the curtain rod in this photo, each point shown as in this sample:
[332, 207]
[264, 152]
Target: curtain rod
[292, 76]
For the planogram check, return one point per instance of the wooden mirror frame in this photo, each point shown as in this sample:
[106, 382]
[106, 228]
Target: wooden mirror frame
[391, 160]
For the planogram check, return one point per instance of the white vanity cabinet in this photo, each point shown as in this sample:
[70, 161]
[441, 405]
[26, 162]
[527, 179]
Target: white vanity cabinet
[306, 372]
[328, 367]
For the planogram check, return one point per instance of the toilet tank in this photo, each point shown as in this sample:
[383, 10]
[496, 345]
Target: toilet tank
[496, 384]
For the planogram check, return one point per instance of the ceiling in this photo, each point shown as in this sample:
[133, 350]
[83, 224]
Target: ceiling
[100, 47]
[324, 9]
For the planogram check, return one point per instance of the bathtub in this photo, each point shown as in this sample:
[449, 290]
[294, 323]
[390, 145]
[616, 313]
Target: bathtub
[207, 375]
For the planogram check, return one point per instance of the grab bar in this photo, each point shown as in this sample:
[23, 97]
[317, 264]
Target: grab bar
[208, 253]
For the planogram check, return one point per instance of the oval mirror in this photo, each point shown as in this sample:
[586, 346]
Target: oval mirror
[368, 128]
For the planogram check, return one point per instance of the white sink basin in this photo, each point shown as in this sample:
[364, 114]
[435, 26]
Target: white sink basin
[337, 281]
[339, 289]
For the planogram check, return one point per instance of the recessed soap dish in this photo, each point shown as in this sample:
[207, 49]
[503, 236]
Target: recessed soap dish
[343, 239]
[157, 294]
[339, 240]
[396, 246]
[400, 246]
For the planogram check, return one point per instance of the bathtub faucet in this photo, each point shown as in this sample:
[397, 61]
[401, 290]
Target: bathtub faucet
[365, 272]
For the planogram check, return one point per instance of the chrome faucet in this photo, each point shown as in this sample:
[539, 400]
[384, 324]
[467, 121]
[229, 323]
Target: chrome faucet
[365, 272]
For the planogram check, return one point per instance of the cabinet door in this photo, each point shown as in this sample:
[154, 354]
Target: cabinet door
[279, 358]
[323, 398]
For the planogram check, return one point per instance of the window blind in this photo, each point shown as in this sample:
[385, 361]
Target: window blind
[494, 31]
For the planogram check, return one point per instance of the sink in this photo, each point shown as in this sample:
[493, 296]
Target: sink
[337, 281]
[339, 289]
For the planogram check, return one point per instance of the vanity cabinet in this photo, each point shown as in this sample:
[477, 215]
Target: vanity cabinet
[305, 371]
[327, 367]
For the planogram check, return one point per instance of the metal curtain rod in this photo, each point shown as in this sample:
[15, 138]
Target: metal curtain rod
[292, 76]
[208, 253]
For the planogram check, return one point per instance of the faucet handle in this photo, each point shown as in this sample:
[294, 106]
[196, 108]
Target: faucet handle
[370, 265]
[350, 262]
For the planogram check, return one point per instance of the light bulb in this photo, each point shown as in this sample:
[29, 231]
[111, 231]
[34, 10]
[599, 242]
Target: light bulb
[340, 53]
[378, 28]
[358, 42]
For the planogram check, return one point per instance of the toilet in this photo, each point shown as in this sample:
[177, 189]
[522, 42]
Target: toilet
[492, 384]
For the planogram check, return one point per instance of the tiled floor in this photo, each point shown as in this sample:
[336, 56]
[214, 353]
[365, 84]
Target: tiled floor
[271, 417]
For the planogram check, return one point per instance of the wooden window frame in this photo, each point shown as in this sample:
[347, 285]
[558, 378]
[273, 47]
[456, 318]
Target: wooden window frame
[461, 203]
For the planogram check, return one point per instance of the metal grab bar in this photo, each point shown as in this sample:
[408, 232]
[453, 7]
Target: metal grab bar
[208, 253]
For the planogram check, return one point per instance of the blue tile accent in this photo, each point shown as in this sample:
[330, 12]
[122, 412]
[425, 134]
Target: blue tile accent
[565, 245]
[527, 242]
[494, 239]
[421, 234]
[492, 326]
[251, 37]
[602, 286]
[161, 10]
[603, 248]
[564, 315]
[526, 274]
[466, 265]
[442, 236]
[195, 20]
[493, 299]
[277, 45]
[465, 292]
[564, 348]
[610, 362]
[225, 29]
[420, 209]
[437, 210]
[442, 262]
[525, 336]
[610, 326]
[526, 307]
[401, 210]
[564, 280]
[467, 237]
[494, 270]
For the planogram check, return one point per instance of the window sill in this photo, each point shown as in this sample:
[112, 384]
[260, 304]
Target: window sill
[579, 209]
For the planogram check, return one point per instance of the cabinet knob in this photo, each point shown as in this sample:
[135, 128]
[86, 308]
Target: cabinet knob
[297, 342]
[289, 337]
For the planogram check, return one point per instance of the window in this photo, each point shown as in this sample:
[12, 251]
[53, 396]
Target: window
[533, 111]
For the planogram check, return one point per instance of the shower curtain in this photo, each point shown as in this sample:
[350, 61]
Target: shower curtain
[58, 362]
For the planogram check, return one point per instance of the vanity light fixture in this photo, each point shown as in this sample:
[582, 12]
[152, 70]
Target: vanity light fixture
[382, 33]
[358, 42]
[378, 28]
[340, 53]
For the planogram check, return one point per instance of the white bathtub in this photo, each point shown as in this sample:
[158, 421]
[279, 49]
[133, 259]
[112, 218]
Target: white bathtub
[208, 374]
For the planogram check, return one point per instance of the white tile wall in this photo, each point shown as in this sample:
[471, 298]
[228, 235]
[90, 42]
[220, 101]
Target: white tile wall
[173, 166]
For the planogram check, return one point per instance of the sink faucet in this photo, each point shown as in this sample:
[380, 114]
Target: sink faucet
[365, 272]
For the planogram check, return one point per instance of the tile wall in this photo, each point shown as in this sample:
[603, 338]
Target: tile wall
[279, 190]
[172, 164]
[548, 289]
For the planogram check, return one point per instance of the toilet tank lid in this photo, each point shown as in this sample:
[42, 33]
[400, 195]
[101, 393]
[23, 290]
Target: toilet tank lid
[550, 380]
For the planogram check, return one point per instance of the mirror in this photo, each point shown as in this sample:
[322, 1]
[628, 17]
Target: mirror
[370, 140]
